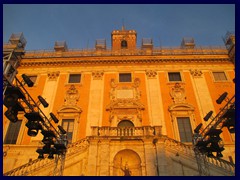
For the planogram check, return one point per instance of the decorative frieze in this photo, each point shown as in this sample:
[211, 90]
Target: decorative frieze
[196, 73]
[53, 75]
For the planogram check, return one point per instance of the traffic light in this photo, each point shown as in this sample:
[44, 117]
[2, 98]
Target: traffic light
[11, 101]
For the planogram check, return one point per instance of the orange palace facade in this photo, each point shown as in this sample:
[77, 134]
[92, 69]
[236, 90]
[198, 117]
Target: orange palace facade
[126, 108]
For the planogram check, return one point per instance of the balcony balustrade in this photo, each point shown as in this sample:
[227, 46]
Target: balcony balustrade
[126, 131]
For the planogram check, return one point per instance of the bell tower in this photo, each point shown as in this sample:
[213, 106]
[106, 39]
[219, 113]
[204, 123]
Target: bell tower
[124, 39]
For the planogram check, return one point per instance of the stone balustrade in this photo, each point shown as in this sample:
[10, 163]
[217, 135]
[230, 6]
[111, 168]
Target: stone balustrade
[37, 164]
[126, 131]
[138, 51]
[223, 164]
[188, 149]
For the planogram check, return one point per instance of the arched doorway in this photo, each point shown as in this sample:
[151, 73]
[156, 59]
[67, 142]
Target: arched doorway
[126, 128]
[125, 123]
[127, 162]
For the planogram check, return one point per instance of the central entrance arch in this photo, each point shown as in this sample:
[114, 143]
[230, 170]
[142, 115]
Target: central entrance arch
[127, 162]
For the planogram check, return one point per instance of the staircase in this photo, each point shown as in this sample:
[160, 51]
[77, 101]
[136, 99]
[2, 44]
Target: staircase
[226, 168]
[222, 165]
[38, 164]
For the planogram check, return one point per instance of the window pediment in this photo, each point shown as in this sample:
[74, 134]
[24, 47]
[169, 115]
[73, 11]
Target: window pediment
[66, 109]
[181, 107]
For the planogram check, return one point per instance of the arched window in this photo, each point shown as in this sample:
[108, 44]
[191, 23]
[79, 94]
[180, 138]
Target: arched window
[124, 44]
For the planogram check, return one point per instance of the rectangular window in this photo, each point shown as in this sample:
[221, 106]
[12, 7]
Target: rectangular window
[185, 130]
[125, 77]
[12, 132]
[74, 78]
[219, 76]
[174, 76]
[67, 125]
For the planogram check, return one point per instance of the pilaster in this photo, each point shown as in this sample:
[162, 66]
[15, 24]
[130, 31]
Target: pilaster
[94, 117]
[155, 100]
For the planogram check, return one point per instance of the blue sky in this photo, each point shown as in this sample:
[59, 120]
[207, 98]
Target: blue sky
[81, 24]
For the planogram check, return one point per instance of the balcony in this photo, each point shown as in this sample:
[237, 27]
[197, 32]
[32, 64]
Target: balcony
[126, 131]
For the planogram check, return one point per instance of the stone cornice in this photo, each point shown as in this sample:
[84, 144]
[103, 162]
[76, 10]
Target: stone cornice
[113, 60]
